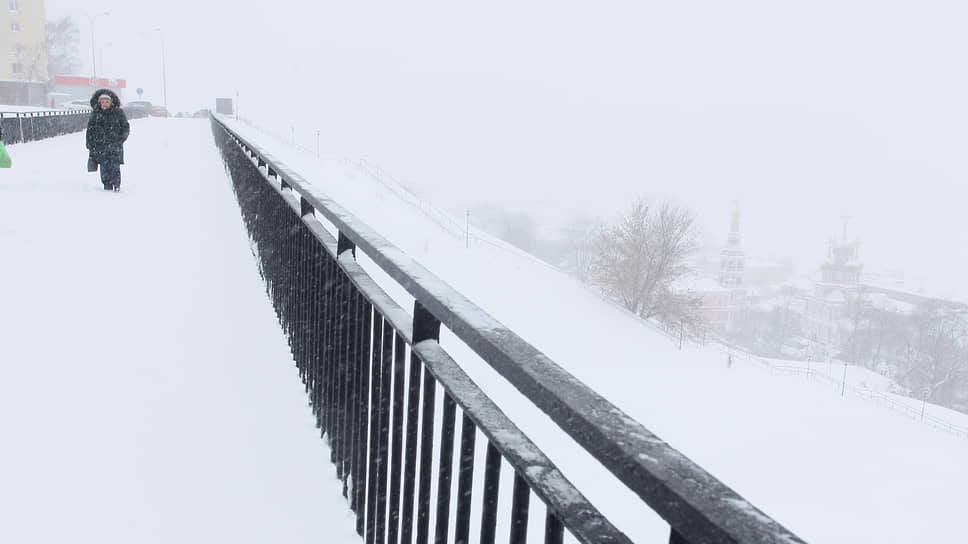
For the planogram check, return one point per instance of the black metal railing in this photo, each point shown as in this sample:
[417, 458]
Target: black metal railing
[372, 373]
[19, 127]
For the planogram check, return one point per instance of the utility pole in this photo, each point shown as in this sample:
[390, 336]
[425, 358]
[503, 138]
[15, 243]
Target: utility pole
[843, 389]
[164, 81]
[92, 19]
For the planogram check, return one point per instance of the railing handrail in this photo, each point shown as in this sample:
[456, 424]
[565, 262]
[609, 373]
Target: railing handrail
[20, 127]
[568, 504]
[698, 506]
[40, 113]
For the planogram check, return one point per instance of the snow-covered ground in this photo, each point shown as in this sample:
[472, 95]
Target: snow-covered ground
[146, 393]
[830, 468]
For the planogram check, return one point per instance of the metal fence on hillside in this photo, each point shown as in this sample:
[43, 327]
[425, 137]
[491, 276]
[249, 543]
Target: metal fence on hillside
[373, 373]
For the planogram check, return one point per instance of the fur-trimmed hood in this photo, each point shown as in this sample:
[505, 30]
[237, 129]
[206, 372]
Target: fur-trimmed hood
[115, 101]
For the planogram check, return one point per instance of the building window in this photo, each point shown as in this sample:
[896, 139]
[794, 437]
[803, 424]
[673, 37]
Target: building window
[17, 68]
[14, 26]
[14, 5]
[15, 48]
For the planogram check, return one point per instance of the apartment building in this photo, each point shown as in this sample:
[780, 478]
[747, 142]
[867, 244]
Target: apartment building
[23, 53]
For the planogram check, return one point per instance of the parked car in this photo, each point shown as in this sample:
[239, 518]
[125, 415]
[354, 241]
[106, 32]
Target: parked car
[80, 104]
[159, 111]
[137, 108]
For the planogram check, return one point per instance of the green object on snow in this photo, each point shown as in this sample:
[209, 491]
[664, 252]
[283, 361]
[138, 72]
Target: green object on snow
[4, 157]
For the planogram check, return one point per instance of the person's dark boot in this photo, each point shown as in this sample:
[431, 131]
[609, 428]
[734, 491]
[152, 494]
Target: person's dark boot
[107, 186]
[117, 187]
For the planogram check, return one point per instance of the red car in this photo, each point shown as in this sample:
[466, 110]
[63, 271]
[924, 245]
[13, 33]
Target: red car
[159, 111]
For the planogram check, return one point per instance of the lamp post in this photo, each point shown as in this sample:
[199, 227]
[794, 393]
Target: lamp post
[91, 19]
[164, 81]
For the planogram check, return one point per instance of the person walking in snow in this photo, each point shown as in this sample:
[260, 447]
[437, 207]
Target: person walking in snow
[107, 129]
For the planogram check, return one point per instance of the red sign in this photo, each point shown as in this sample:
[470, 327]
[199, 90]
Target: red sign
[83, 81]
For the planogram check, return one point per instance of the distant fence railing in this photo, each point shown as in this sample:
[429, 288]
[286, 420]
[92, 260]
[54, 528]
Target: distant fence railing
[373, 372]
[813, 372]
[30, 126]
[893, 402]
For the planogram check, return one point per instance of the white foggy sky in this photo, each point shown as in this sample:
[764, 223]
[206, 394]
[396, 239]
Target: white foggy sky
[800, 110]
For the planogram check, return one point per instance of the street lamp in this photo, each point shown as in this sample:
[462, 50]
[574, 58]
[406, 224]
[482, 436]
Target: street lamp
[164, 81]
[92, 19]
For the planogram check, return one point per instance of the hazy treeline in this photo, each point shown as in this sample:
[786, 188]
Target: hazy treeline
[924, 350]
[637, 258]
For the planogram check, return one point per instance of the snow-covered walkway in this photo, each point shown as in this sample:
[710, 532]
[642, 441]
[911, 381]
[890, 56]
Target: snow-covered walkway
[144, 390]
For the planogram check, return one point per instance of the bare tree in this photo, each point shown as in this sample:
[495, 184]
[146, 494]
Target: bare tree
[63, 39]
[936, 359]
[859, 336]
[638, 259]
[32, 60]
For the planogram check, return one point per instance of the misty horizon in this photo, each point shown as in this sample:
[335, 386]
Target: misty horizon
[799, 113]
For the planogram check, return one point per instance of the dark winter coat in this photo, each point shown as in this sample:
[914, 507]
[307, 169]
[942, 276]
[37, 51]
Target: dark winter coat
[107, 130]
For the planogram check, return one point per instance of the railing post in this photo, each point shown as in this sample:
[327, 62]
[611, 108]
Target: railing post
[425, 325]
[343, 243]
[396, 452]
[305, 207]
[520, 499]
[492, 482]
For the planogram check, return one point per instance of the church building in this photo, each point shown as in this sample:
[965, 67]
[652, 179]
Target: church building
[724, 300]
[837, 288]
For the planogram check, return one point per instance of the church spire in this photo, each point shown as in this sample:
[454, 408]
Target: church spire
[732, 258]
[733, 240]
